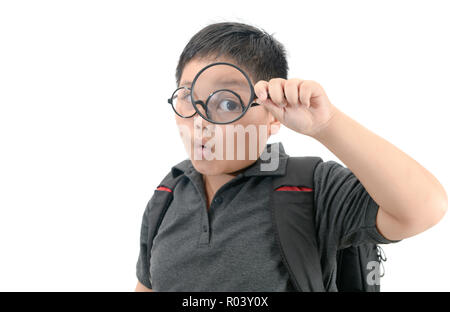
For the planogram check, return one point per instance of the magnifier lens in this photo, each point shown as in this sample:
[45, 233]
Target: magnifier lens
[221, 92]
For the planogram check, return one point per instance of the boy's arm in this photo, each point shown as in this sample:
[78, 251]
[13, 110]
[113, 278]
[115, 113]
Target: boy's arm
[142, 288]
[410, 198]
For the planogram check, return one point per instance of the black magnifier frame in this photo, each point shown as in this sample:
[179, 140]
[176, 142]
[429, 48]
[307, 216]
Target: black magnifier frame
[205, 105]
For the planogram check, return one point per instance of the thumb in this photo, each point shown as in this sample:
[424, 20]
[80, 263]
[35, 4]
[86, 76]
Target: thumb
[274, 109]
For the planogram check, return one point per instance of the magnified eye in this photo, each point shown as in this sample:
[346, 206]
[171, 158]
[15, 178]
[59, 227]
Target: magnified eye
[229, 106]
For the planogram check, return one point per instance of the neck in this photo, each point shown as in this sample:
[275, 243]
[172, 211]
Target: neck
[212, 183]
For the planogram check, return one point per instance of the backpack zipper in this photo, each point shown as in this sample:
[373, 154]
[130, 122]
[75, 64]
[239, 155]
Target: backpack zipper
[381, 258]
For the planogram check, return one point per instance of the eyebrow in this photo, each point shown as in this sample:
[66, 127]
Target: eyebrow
[186, 83]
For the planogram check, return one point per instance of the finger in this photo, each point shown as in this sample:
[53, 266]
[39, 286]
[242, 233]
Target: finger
[305, 92]
[291, 91]
[274, 109]
[276, 91]
[261, 89]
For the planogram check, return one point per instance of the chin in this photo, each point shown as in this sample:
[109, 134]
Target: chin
[208, 167]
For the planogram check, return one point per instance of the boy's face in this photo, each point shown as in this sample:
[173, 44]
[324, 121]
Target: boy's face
[229, 147]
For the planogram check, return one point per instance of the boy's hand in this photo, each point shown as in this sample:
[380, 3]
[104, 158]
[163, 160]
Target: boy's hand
[301, 105]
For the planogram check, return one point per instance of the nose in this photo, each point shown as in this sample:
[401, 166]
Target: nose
[203, 127]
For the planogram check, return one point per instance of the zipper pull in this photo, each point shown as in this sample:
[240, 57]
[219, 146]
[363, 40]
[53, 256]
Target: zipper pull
[381, 258]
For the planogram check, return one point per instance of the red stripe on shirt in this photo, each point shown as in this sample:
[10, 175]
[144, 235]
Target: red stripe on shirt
[163, 188]
[294, 188]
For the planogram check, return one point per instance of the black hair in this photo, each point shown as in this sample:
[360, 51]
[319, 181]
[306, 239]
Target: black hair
[252, 48]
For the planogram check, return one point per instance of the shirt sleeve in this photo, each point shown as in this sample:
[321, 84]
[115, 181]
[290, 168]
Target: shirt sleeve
[143, 265]
[345, 212]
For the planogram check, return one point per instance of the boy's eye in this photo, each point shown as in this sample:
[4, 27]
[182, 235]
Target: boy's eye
[228, 106]
[183, 96]
[225, 102]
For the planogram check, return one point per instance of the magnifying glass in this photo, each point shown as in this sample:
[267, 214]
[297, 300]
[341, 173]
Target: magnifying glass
[222, 93]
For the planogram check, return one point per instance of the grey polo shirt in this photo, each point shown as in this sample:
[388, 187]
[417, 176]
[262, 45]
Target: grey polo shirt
[232, 247]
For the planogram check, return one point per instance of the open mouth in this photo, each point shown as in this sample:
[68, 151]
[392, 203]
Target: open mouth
[200, 146]
[202, 151]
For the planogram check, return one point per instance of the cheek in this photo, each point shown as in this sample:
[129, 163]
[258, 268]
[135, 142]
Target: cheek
[249, 133]
[256, 115]
[185, 128]
[258, 118]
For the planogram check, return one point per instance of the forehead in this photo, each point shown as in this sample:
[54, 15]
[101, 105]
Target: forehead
[226, 75]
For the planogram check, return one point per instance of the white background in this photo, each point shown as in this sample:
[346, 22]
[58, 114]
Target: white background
[86, 133]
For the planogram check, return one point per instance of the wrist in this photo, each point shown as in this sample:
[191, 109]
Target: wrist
[329, 126]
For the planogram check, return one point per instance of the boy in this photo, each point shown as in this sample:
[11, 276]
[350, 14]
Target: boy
[217, 233]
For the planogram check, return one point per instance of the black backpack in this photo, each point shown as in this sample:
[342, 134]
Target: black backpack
[293, 219]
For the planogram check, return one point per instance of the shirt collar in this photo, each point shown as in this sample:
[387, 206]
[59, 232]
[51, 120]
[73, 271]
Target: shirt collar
[272, 162]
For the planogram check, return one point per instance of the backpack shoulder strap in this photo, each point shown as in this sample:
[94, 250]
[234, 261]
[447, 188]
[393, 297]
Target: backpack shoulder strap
[153, 216]
[293, 214]
[358, 267]
[160, 201]
[299, 171]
